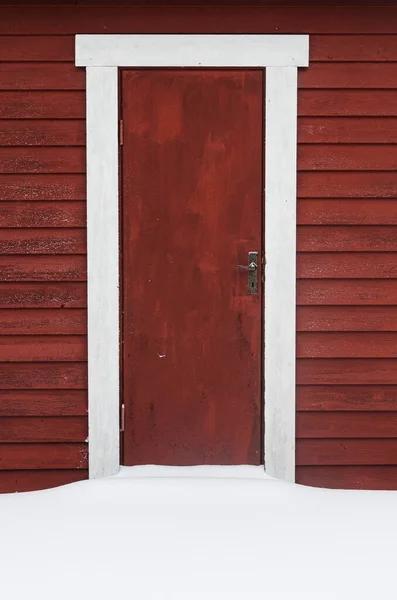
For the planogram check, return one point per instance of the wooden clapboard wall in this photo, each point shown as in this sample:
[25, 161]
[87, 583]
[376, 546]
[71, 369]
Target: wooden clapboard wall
[347, 258]
[347, 235]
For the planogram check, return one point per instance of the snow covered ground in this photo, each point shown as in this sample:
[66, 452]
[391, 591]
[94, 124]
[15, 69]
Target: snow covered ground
[207, 533]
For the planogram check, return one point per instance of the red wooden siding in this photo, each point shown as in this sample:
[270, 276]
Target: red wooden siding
[347, 215]
[43, 321]
[347, 264]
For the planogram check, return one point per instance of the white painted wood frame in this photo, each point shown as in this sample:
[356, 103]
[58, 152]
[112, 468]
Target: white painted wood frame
[102, 55]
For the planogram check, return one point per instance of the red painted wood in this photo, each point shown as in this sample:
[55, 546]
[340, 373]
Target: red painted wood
[239, 3]
[42, 160]
[347, 185]
[350, 265]
[349, 75]
[346, 212]
[341, 371]
[346, 318]
[347, 130]
[42, 105]
[346, 398]
[43, 376]
[43, 403]
[365, 64]
[43, 429]
[43, 214]
[345, 344]
[43, 321]
[354, 48]
[43, 295]
[42, 187]
[37, 47]
[346, 425]
[347, 291]
[192, 210]
[43, 348]
[43, 241]
[42, 76]
[312, 238]
[28, 481]
[43, 268]
[199, 19]
[43, 456]
[345, 103]
[347, 452]
[22, 132]
[383, 477]
[336, 157]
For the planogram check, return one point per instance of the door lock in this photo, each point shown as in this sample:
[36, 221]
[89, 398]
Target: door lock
[252, 268]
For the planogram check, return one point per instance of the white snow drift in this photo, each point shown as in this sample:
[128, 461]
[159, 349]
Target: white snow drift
[208, 533]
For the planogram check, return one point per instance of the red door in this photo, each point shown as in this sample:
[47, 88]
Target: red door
[192, 182]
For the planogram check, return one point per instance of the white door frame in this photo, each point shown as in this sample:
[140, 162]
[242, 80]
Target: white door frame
[102, 55]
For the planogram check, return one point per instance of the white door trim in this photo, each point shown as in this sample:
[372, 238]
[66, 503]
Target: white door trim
[102, 55]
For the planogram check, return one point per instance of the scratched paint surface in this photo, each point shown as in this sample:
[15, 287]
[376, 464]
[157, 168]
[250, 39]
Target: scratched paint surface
[192, 210]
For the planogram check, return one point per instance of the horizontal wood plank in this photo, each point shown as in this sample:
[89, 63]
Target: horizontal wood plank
[345, 344]
[346, 398]
[371, 75]
[42, 132]
[346, 238]
[345, 211]
[43, 348]
[347, 130]
[353, 48]
[346, 452]
[43, 160]
[348, 477]
[321, 157]
[345, 318]
[347, 292]
[346, 371]
[29, 481]
[43, 376]
[43, 241]
[34, 48]
[345, 425]
[199, 19]
[174, 3]
[43, 403]
[43, 456]
[42, 214]
[354, 265]
[353, 184]
[41, 76]
[59, 321]
[348, 103]
[42, 187]
[43, 268]
[42, 105]
[43, 429]
[43, 295]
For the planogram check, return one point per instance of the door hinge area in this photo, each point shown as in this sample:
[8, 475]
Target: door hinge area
[122, 417]
[121, 132]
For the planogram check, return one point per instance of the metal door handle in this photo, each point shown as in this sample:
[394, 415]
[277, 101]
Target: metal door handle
[252, 268]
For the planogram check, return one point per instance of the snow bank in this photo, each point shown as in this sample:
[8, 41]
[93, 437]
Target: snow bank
[197, 533]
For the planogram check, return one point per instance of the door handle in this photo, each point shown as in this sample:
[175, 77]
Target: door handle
[252, 268]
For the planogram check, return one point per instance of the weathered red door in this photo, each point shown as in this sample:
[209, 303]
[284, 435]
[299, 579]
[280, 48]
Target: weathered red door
[192, 182]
